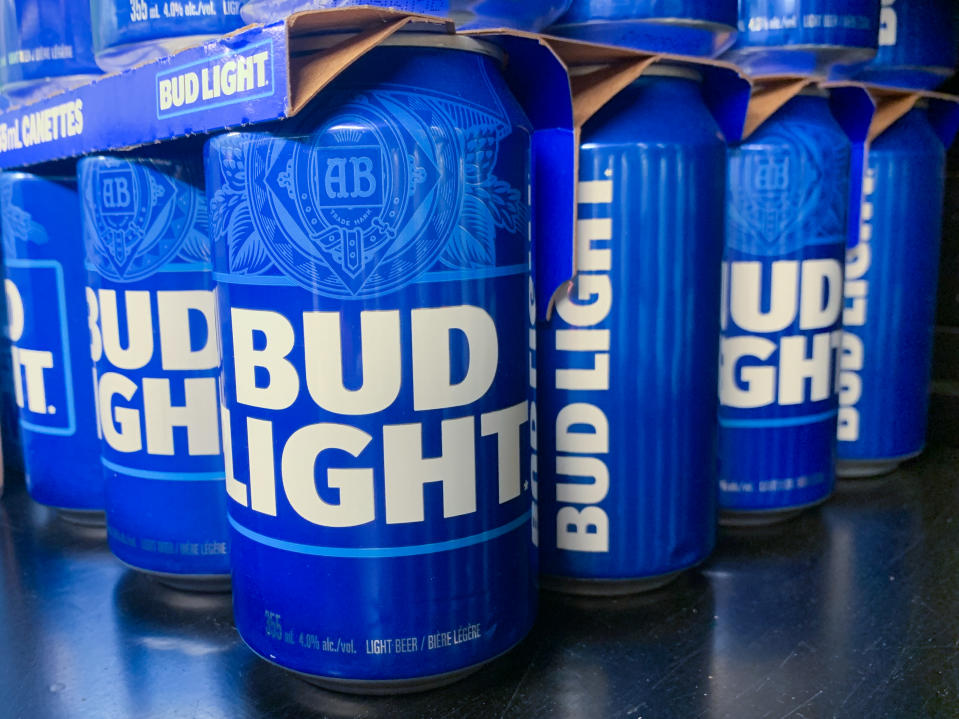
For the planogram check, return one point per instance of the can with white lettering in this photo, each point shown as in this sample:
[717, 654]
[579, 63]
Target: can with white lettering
[372, 263]
[891, 301]
[918, 44]
[47, 328]
[131, 32]
[627, 363]
[786, 228]
[9, 419]
[530, 15]
[804, 36]
[151, 312]
[46, 47]
[682, 27]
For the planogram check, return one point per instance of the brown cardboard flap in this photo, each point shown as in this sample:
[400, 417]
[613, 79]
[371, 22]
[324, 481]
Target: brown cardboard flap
[591, 91]
[310, 74]
[769, 95]
[889, 108]
[892, 103]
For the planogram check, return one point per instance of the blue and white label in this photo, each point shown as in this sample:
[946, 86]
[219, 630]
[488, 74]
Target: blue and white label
[216, 82]
[855, 315]
[40, 350]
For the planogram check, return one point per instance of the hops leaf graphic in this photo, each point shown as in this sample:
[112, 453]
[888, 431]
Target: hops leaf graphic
[473, 242]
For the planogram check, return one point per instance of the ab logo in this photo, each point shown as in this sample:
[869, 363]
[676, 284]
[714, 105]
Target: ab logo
[140, 216]
[785, 192]
[392, 183]
[115, 191]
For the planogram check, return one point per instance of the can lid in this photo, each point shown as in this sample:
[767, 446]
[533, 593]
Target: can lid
[312, 43]
[659, 69]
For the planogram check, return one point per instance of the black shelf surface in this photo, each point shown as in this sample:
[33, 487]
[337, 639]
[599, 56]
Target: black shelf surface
[850, 611]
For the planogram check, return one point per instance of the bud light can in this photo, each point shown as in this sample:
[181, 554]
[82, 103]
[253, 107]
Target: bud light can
[47, 47]
[151, 311]
[804, 36]
[372, 262]
[9, 419]
[530, 15]
[682, 27]
[627, 364]
[131, 32]
[786, 230]
[918, 41]
[47, 327]
[891, 276]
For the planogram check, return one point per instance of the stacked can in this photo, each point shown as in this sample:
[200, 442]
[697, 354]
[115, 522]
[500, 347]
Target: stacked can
[530, 15]
[9, 421]
[627, 365]
[47, 327]
[131, 32]
[804, 36]
[46, 47]
[786, 231]
[371, 255]
[918, 44]
[892, 272]
[151, 312]
[683, 27]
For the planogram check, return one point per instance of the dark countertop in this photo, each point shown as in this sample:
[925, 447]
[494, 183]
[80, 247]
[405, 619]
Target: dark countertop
[849, 611]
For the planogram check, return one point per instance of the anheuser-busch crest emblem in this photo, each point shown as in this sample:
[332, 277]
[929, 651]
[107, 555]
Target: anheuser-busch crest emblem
[138, 219]
[392, 183]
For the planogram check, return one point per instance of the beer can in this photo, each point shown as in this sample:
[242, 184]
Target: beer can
[891, 275]
[50, 344]
[804, 36]
[372, 263]
[46, 47]
[9, 415]
[627, 364]
[918, 44]
[530, 15]
[683, 27]
[786, 229]
[131, 32]
[151, 312]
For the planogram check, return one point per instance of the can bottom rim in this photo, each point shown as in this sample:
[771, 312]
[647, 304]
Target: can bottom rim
[868, 468]
[607, 587]
[740, 519]
[387, 687]
[203, 583]
[84, 517]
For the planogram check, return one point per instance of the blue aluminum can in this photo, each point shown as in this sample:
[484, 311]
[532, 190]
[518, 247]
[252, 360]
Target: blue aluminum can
[891, 276]
[10, 446]
[627, 364]
[151, 310]
[372, 262]
[46, 47]
[531, 15]
[682, 27]
[786, 231]
[804, 36]
[918, 44]
[47, 327]
[131, 32]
